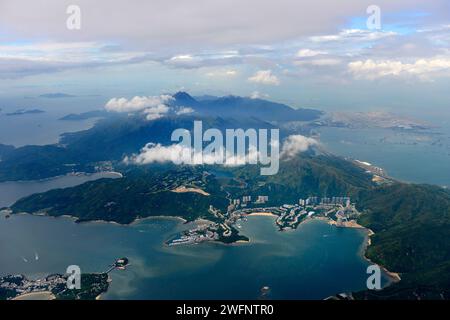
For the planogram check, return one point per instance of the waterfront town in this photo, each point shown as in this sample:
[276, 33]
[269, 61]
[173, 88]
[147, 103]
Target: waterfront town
[224, 227]
[54, 286]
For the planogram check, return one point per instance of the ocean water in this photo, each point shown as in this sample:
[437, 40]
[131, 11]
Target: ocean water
[43, 128]
[38, 129]
[313, 262]
[408, 156]
[11, 191]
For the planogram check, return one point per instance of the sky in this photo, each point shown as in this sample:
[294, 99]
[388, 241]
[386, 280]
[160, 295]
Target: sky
[321, 54]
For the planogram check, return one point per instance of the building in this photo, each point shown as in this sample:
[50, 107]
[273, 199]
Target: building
[262, 199]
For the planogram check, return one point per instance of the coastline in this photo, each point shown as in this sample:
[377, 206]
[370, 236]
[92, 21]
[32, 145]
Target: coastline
[394, 276]
[79, 174]
[99, 221]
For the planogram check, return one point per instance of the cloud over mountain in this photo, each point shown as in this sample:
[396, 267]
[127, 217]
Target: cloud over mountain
[178, 154]
[295, 144]
[153, 107]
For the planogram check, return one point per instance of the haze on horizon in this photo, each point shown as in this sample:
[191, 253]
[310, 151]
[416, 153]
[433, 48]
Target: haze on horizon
[320, 56]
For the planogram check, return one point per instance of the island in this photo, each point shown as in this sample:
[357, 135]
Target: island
[21, 112]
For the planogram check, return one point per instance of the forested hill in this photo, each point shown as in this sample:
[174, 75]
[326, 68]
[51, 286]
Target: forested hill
[412, 237]
[148, 191]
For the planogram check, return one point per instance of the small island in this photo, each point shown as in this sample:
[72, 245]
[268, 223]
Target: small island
[22, 112]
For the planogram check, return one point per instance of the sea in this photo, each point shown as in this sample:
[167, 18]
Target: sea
[313, 262]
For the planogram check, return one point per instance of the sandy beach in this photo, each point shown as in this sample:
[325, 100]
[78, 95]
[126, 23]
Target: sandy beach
[395, 277]
[43, 295]
[262, 214]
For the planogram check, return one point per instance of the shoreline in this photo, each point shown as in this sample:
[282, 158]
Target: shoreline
[79, 174]
[394, 276]
[99, 221]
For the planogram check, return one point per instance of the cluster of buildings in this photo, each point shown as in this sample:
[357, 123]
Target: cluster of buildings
[200, 234]
[19, 284]
[311, 201]
[338, 209]
[291, 215]
[262, 199]
[246, 200]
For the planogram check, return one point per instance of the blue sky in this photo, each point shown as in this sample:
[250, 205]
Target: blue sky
[322, 56]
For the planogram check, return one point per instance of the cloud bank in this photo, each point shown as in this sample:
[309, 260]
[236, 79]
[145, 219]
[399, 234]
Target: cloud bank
[153, 107]
[178, 154]
[370, 69]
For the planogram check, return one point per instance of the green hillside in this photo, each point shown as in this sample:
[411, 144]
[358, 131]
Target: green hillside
[412, 232]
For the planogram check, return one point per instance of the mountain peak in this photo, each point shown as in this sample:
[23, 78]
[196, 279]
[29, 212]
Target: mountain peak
[182, 96]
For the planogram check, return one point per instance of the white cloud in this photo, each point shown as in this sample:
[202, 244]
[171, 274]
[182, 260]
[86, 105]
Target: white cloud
[306, 53]
[18, 59]
[206, 59]
[183, 60]
[423, 68]
[178, 154]
[354, 35]
[156, 112]
[156, 153]
[182, 57]
[319, 62]
[265, 77]
[184, 110]
[153, 107]
[222, 73]
[137, 103]
[295, 144]
[258, 95]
